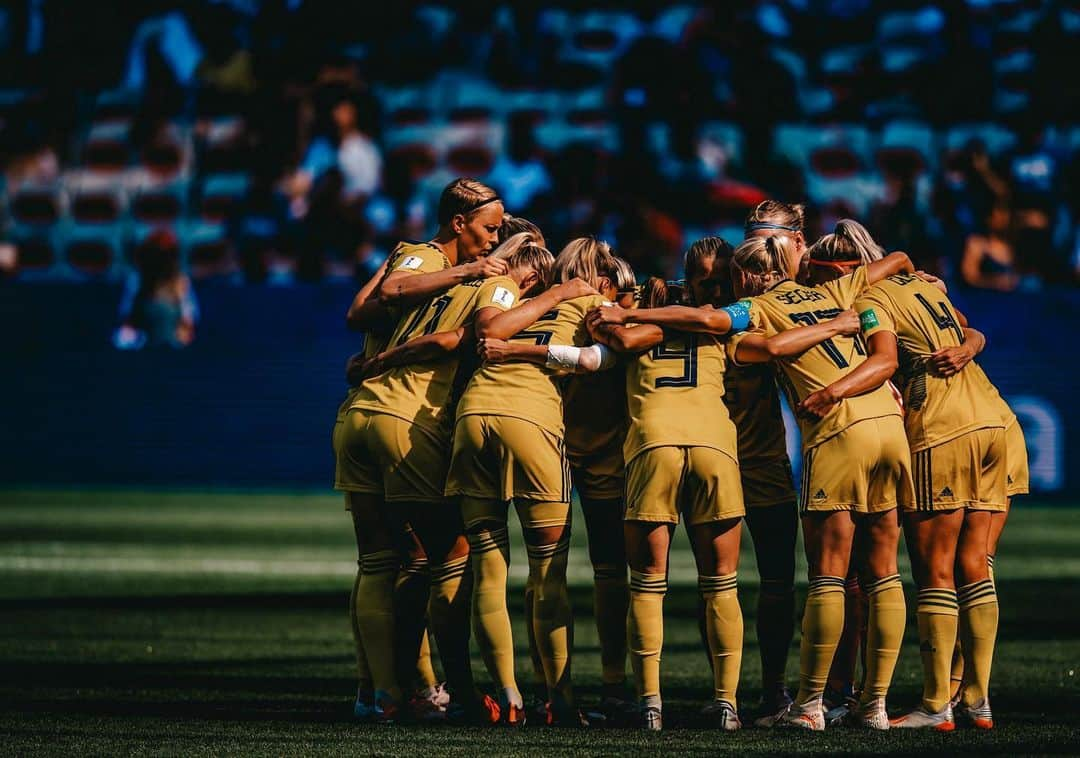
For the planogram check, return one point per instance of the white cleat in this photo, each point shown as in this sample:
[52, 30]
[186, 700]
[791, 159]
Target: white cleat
[806, 716]
[978, 715]
[870, 715]
[651, 719]
[722, 715]
[920, 718]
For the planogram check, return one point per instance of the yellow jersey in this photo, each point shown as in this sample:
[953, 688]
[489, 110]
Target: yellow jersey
[753, 403]
[421, 392]
[527, 390]
[594, 411]
[674, 396]
[846, 289]
[787, 306]
[937, 408]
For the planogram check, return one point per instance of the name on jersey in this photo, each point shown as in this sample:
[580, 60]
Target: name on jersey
[411, 263]
[796, 296]
[503, 297]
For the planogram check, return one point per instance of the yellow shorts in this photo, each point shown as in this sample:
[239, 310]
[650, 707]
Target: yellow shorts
[385, 455]
[1018, 477]
[501, 457]
[601, 475]
[701, 483]
[767, 483]
[866, 469]
[967, 472]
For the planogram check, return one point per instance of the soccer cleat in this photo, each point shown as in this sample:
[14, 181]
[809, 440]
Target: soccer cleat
[386, 712]
[837, 705]
[651, 719]
[809, 715]
[773, 708]
[564, 717]
[364, 707]
[978, 715]
[613, 711]
[512, 715]
[870, 715]
[479, 711]
[426, 709]
[722, 715]
[920, 718]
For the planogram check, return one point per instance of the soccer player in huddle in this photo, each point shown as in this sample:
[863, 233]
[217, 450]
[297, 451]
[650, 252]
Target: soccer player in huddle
[955, 429]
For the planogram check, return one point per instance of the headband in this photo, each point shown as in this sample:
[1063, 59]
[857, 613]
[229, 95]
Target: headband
[833, 264]
[489, 201]
[766, 225]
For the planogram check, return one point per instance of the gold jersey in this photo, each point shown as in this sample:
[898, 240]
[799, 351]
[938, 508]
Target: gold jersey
[674, 396]
[754, 406]
[846, 289]
[421, 392]
[787, 306]
[937, 408]
[529, 391]
[594, 411]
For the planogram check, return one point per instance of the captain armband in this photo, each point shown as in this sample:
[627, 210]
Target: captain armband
[739, 313]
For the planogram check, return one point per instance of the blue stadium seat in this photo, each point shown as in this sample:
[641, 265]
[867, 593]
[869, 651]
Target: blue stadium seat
[94, 199]
[221, 195]
[997, 138]
[37, 205]
[905, 144]
[599, 37]
[206, 251]
[93, 250]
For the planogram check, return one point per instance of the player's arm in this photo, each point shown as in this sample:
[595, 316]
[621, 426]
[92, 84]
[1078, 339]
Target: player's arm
[623, 339]
[949, 361]
[493, 323]
[881, 364]
[757, 348]
[365, 311]
[683, 318]
[893, 263]
[568, 358]
[403, 288]
[428, 347]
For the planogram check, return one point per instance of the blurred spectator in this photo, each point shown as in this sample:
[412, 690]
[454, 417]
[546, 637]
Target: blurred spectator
[989, 260]
[900, 223]
[519, 174]
[158, 306]
[33, 161]
[170, 36]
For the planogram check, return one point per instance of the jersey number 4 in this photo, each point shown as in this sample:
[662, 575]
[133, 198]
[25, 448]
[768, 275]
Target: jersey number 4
[688, 356]
[944, 319]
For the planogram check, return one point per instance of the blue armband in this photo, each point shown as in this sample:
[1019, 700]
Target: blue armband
[739, 313]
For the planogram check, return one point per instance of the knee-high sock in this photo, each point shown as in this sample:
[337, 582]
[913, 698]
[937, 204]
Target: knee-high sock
[552, 622]
[490, 551]
[448, 608]
[539, 680]
[775, 629]
[885, 634]
[375, 618]
[957, 676]
[724, 629]
[936, 615]
[846, 659]
[363, 672]
[978, 631]
[611, 601]
[645, 630]
[823, 622]
[411, 592]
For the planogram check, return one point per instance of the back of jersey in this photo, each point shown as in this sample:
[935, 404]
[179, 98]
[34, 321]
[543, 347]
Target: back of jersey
[674, 395]
[924, 321]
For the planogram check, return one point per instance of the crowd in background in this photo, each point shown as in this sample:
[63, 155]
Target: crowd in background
[291, 140]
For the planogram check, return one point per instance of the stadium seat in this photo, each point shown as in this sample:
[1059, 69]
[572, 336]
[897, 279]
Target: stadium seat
[38, 205]
[221, 195]
[407, 105]
[915, 24]
[36, 255]
[93, 250]
[117, 102]
[159, 202]
[96, 201]
[997, 138]
[833, 151]
[223, 145]
[540, 105]
[206, 251]
[106, 148]
[906, 146]
[467, 100]
[599, 38]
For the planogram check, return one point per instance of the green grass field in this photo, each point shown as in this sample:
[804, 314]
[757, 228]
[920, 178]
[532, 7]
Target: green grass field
[192, 623]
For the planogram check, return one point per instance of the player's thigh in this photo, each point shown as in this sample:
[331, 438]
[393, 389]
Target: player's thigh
[1018, 475]
[531, 461]
[828, 537]
[544, 522]
[971, 547]
[653, 484]
[712, 488]
[356, 468]
[413, 458]
[373, 530]
[437, 526]
[932, 538]
[473, 469]
[878, 539]
[647, 545]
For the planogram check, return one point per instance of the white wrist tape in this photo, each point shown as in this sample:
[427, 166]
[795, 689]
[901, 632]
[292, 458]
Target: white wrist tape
[563, 357]
[570, 358]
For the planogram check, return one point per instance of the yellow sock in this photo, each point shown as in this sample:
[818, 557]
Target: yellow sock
[411, 592]
[491, 620]
[956, 676]
[978, 632]
[724, 630]
[822, 624]
[363, 673]
[645, 630]
[611, 601]
[448, 609]
[375, 618]
[775, 628]
[552, 621]
[936, 616]
[539, 681]
[426, 677]
[884, 636]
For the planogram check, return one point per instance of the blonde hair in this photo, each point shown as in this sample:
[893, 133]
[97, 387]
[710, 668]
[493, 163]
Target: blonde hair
[464, 196]
[850, 241]
[764, 260]
[523, 251]
[625, 281]
[587, 258]
[774, 213]
[704, 249]
[654, 293]
[512, 225]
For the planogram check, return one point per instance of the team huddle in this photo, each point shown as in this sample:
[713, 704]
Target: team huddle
[494, 372]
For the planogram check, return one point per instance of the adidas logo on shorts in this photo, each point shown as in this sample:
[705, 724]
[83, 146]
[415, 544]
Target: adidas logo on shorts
[947, 492]
[820, 495]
